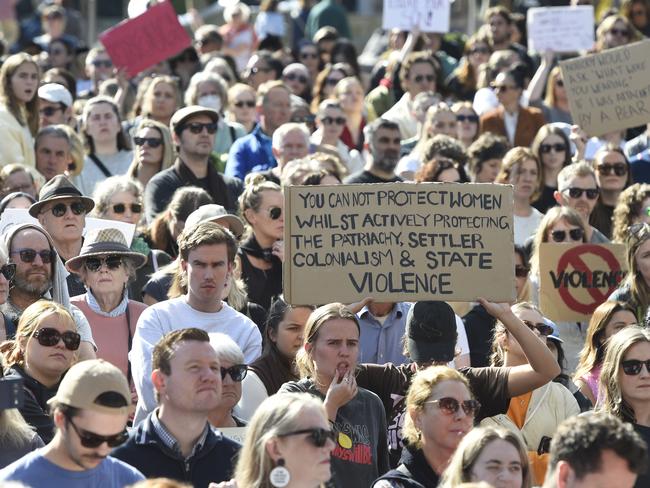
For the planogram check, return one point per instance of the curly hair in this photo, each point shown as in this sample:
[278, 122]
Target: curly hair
[628, 209]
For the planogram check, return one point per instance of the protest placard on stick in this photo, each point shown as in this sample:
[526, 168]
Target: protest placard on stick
[560, 29]
[609, 91]
[398, 242]
[575, 279]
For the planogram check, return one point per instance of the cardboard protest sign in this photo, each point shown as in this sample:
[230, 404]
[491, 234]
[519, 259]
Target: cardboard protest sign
[139, 43]
[560, 29]
[237, 434]
[575, 279]
[428, 15]
[609, 91]
[398, 242]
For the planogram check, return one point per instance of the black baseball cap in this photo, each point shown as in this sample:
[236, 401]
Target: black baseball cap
[431, 332]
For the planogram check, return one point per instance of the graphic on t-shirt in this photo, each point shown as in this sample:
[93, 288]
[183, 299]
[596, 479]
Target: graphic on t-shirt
[396, 422]
[353, 444]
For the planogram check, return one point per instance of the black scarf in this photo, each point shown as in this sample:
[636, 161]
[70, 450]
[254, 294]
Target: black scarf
[252, 247]
[216, 186]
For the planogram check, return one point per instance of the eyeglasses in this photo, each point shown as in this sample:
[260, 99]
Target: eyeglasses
[95, 264]
[293, 77]
[467, 118]
[521, 271]
[619, 169]
[574, 192]
[327, 120]
[450, 406]
[49, 337]
[92, 440]
[619, 32]
[120, 208]
[245, 103]
[237, 372]
[543, 329]
[547, 148]
[275, 213]
[332, 81]
[49, 111]
[632, 367]
[305, 119]
[574, 234]
[99, 63]
[29, 255]
[197, 127]
[60, 209]
[152, 142]
[559, 81]
[318, 437]
[306, 55]
[421, 78]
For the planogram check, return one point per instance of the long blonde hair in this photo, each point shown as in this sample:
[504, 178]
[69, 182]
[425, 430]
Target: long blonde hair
[25, 113]
[634, 280]
[14, 431]
[169, 153]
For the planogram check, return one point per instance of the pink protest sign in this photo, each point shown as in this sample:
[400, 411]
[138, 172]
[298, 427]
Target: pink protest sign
[139, 43]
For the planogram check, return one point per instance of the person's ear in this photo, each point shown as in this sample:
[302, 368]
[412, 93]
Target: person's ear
[176, 138]
[564, 475]
[158, 379]
[558, 197]
[309, 347]
[59, 419]
[274, 449]
[184, 265]
[249, 215]
[415, 418]
[275, 152]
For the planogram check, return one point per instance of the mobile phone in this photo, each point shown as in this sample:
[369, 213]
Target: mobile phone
[12, 394]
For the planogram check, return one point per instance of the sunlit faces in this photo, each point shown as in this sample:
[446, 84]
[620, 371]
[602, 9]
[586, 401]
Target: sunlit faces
[444, 122]
[421, 77]
[294, 145]
[489, 170]
[635, 388]
[385, 149]
[499, 464]
[336, 350]
[163, 101]
[563, 231]
[207, 269]
[123, 207]
[147, 153]
[52, 156]
[34, 277]
[67, 227]
[277, 108]
[613, 471]
[263, 222]
[350, 95]
[525, 178]
[243, 106]
[582, 203]
[466, 124]
[611, 171]
[20, 181]
[102, 123]
[290, 333]
[332, 122]
[499, 28]
[197, 146]
[642, 260]
[506, 90]
[52, 113]
[479, 53]
[24, 82]
[230, 389]
[525, 315]
[449, 175]
[107, 280]
[618, 35]
[550, 156]
[618, 322]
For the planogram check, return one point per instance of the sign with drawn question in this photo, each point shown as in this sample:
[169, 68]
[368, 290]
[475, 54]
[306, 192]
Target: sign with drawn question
[560, 29]
[398, 242]
[428, 15]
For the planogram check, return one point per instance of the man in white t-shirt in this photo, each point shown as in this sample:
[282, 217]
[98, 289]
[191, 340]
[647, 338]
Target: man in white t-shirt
[207, 252]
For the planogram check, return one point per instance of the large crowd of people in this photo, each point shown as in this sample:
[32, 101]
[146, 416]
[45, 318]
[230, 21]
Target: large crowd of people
[170, 358]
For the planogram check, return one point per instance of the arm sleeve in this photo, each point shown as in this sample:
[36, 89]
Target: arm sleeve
[253, 348]
[235, 166]
[83, 327]
[490, 388]
[253, 393]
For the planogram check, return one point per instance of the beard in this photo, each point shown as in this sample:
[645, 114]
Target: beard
[387, 162]
[32, 286]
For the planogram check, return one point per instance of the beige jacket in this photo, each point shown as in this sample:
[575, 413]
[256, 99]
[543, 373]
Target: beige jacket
[17, 144]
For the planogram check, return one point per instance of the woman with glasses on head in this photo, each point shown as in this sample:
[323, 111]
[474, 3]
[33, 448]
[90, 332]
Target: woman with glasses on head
[608, 319]
[107, 149]
[261, 252]
[632, 208]
[613, 175]
[624, 383]
[440, 412]
[537, 414]
[552, 148]
[44, 348]
[327, 363]
[462, 83]
[242, 103]
[120, 198]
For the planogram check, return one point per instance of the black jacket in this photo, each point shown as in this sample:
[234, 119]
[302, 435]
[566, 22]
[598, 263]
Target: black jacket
[413, 470]
[145, 451]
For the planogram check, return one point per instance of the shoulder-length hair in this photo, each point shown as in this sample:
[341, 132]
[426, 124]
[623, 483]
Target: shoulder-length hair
[511, 165]
[629, 206]
[460, 467]
[612, 397]
[147, 97]
[169, 153]
[608, 23]
[639, 290]
[543, 133]
[25, 113]
[122, 142]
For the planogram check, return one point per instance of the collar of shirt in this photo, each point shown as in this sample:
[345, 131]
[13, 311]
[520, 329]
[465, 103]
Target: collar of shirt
[170, 441]
[116, 312]
[399, 309]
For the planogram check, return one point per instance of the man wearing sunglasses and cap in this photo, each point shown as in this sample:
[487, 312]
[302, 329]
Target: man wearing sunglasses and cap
[54, 104]
[90, 411]
[175, 440]
[193, 131]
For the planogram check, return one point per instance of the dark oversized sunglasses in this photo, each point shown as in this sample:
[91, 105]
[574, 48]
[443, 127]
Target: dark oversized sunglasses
[574, 192]
[547, 148]
[49, 111]
[197, 127]
[421, 78]
[49, 337]
[293, 77]
[450, 406]
[467, 118]
[245, 103]
[105, 63]
[152, 142]
[521, 271]
[92, 440]
[574, 235]
[120, 208]
[60, 209]
[275, 213]
[327, 120]
[95, 264]
[237, 372]
[542, 328]
[632, 367]
[318, 437]
[619, 169]
[29, 255]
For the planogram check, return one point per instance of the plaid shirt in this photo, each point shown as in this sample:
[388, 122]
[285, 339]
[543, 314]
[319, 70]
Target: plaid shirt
[170, 441]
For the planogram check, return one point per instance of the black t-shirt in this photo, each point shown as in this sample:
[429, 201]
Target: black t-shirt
[391, 383]
[546, 199]
[643, 481]
[367, 177]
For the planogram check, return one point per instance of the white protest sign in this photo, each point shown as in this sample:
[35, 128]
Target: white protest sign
[560, 29]
[428, 15]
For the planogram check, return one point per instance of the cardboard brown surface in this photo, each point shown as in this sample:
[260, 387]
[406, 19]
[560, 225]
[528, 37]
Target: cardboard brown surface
[609, 91]
[398, 242]
[575, 279]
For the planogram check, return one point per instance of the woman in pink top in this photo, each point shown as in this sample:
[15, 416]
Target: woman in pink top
[608, 319]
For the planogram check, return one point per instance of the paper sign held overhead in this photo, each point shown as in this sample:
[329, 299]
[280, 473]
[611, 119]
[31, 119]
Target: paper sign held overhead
[139, 43]
[609, 91]
[428, 15]
[398, 242]
[560, 29]
[575, 279]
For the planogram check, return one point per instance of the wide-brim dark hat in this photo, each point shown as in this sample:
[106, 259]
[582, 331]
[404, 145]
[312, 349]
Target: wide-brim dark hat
[102, 242]
[59, 188]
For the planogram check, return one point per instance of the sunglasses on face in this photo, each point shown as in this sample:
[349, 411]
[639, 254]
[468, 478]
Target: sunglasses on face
[95, 264]
[318, 437]
[92, 440]
[327, 120]
[237, 372]
[619, 32]
[98, 63]
[60, 209]
[197, 127]
[547, 148]
[619, 169]
[293, 77]
[49, 111]
[467, 118]
[574, 234]
[120, 208]
[245, 103]
[421, 78]
[450, 406]
[275, 213]
[29, 255]
[632, 367]
[152, 142]
[521, 271]
[574, 192]
[49, 337]
[543, 329]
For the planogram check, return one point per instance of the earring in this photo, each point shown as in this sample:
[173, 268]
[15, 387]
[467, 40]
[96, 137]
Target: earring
[279, 476]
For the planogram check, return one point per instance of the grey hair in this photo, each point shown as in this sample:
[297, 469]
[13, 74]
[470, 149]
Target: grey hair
[226, 348]
[191, 94]
[281, 132]
[109, 187]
